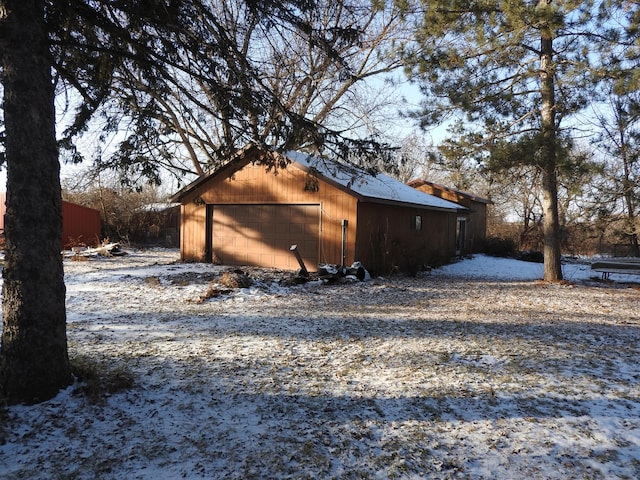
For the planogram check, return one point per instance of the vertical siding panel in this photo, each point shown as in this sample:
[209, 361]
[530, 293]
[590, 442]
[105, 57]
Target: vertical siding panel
[193, 223]
[183, 233]
[80, 225]
[400, 245]
[477, 214]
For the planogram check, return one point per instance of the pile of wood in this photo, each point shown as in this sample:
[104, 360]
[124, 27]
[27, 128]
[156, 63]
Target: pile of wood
[235, 279]
[329, 272]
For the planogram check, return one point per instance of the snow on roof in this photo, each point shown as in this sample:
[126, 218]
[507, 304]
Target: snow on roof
[378, 187]
[158, 206]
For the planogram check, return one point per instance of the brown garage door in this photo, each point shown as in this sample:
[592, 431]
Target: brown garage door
[261, 235]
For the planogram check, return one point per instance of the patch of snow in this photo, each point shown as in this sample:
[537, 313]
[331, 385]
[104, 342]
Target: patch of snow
[505, 269]
[474, 370]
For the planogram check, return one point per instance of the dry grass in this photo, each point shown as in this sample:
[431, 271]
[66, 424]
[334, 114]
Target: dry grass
[427, 377]
[97, 379]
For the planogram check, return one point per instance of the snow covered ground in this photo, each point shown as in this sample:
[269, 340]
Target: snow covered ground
[475, 370]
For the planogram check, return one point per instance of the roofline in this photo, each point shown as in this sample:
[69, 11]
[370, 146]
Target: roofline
[240, 157]
[421, 206]
[326, 179]
[379, 201]
[243, 157]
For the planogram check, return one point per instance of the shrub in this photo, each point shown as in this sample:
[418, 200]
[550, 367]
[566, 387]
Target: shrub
[498, 247]
[531, 256]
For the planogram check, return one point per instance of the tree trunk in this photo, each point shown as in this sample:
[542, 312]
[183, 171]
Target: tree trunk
[627, 194]
[551, 225]
[34, 363]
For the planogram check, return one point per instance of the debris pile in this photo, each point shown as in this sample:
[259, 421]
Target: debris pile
[235, 279]
[104, 250]
[333, 273]
[228, 281]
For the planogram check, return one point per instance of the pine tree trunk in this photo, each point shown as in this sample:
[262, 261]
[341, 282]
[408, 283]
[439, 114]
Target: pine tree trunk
[34, 363]
[551, 225]
[628, 185]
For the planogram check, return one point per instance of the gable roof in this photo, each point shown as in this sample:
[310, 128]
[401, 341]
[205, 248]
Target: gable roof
[356, 181]
[237, 161]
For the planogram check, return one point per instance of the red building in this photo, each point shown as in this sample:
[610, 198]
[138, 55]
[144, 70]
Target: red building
[80, 224]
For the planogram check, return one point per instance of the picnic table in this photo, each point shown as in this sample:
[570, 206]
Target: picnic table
[622, 265]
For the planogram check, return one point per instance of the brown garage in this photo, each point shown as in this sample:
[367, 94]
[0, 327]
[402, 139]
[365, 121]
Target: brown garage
[246, 214]
[472, 227]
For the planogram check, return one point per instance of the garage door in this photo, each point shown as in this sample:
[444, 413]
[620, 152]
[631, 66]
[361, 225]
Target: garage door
[261, 235]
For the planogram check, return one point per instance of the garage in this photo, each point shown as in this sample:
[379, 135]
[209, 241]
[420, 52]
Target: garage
[262, 234]
[247, 213]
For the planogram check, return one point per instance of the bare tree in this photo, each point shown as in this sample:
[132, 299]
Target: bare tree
[619, 141]
[317, 67]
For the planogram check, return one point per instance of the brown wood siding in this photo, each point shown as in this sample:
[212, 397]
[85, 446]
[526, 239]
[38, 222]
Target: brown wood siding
[477, 214]
[252, 185]
[388, 241]
[193, 233]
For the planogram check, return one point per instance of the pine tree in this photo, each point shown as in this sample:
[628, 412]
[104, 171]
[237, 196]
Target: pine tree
[33, 359]
[515, 68]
